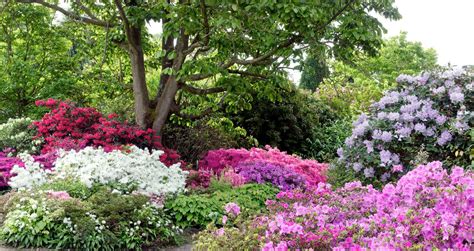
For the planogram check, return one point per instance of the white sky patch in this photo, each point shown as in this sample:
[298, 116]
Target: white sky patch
[446, 26]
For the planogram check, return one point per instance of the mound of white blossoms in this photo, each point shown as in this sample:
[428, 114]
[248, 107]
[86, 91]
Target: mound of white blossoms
[131, 168]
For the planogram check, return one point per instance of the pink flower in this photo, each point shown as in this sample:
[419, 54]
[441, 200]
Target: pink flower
[397, 168]
[224, 220]
[232, 208]
[60, 195]
[220, 232]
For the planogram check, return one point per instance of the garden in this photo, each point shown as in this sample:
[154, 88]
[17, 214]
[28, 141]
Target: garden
[371, 150]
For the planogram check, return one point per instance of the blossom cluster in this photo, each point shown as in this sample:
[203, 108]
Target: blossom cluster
[16, 136]
[133, 169]
[297, 169]
[68, 126]
[431, 111]
[274, 173]
[426, 209]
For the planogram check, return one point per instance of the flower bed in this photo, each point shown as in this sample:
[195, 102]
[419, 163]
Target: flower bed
[427, 208]
[260, 165]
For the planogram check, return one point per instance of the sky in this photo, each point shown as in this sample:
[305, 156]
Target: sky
[444, 25]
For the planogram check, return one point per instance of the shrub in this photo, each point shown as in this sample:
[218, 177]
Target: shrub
[288, 123]
[433, 111]
[106, 221]
[193, 142]
[276, 174]
[426, 209]
[68, 127]
[133, 169]
[217, 160]
[198, 210]
[16, 136]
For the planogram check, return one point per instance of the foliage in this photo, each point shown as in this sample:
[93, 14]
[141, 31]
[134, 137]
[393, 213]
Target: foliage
[431, 110]
[68, 126]
[313, 72]
[198, 210]
[426, 209]
[290, 123]
[217, 160]
[35, 59]
[16, 135]
[351, 88]
[105, 221]
[275, 174]
[192, 142]
[327, 139]
[133, 169]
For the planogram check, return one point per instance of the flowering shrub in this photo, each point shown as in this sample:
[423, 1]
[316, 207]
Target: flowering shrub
[105, 220]
[217, 160]
[276, 174]
[6, 165]
[70, 127]
[16, 136]
[134, 169]
[433, 111]
[426, 209]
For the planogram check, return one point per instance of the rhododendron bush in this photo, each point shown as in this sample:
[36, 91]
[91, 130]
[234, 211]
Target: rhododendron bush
[132, 169]
[427, 208]
[432, 112]
[261, 165]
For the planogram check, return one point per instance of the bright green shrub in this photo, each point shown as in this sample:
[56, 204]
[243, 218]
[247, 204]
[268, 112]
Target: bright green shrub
[198, 210]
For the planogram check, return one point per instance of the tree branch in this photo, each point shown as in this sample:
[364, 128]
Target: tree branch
[72, 15]
[200, 91]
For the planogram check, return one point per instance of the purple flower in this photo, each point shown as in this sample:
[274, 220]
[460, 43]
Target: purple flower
[369, 145]
[393, 116]
[404, 132]
[386, 136]
[385, 156]
[420, 127]
[357, 167]
[444, 138]
[456, 97]
[369, 172]
[440, 119]
[276, 174]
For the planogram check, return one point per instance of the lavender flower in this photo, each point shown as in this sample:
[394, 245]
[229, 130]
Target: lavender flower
[357, 166]
[420, 127]
[456, 97]
[444, 138]
[385, 156]
[369, 172]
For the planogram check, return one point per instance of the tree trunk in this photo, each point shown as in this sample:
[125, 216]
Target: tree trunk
[140, 91]
[165, 103]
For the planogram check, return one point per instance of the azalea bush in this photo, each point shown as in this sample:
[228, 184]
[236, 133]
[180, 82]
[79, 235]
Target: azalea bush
[8, 163]
[68, 126]
[105, 220]
[428, 208]
[17, 135]
[215, 161]
[433, 112]
[132, 169]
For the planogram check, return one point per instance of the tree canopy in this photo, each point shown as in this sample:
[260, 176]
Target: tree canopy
[222, 47]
